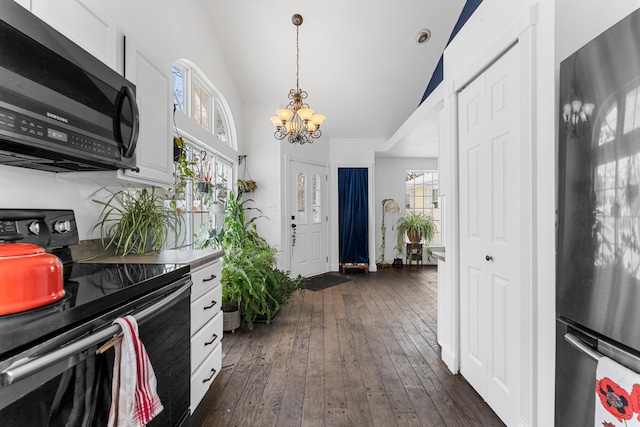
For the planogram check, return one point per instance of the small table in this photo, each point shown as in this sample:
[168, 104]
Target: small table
[361, 265]
[414, 253]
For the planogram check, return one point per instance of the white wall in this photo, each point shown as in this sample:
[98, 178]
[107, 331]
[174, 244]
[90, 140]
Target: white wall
[159, 28]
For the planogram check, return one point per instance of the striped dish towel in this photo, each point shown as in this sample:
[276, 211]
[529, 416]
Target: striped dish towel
[134, 400]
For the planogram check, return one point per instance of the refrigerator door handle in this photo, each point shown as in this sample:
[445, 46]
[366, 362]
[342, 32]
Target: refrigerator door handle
[579, 345]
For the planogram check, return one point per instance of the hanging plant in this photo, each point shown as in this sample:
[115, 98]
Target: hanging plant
[246, 184]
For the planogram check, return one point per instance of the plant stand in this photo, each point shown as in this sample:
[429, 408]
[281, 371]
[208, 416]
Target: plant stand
[230, 320]
[414, 253]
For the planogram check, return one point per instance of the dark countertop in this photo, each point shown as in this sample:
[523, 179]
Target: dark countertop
[193, 257]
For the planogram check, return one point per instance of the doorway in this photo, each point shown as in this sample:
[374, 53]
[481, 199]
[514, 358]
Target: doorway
[353, 215]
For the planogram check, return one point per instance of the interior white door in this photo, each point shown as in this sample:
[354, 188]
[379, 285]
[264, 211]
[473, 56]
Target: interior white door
[490, 234]
[308, 219]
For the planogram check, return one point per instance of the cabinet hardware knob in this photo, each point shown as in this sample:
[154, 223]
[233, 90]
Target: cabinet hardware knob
[213, 372]
[214, 302]
[213, 276]
[489, 258]
[213, 339]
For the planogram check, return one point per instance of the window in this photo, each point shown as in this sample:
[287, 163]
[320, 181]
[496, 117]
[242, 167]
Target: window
[316, 185]
[422, 196]
[196, 97]
[301, 217]
[201, 105]
[201, 192]
[178, 87]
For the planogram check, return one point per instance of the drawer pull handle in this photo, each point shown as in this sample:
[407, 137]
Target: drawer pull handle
[213, 339]
[214, 302]
[213, 372]
[213, 276]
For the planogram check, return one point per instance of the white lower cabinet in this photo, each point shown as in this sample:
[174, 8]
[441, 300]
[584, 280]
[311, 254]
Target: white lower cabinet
[206, 329]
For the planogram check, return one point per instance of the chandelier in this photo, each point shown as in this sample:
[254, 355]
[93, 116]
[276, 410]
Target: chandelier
[576, 113]
[297, 122]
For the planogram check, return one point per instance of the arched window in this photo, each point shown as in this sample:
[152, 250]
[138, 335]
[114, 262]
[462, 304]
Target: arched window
[201, 190]
[198, 98]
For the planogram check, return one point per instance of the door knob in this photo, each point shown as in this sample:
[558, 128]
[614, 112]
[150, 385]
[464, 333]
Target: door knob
[293, 226]
[489, 258]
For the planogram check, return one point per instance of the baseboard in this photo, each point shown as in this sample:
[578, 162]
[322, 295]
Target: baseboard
[449, 358]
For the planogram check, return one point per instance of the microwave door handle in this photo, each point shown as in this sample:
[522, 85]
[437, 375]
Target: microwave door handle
[130, 146]
[14, 374]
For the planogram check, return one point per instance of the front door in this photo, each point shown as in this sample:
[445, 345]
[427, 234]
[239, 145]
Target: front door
[308, 219]
[490, 234]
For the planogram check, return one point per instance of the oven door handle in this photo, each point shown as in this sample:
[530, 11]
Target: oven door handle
[27, 367]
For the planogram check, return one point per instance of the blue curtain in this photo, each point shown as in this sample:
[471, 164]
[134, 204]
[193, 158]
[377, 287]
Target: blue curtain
[353, 213]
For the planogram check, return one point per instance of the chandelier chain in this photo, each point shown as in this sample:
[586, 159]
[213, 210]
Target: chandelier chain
[297, 58]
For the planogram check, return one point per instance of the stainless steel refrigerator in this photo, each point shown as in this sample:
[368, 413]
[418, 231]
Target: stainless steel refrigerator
[598, 232]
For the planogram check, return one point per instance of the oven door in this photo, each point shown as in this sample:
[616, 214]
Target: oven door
[71, 385]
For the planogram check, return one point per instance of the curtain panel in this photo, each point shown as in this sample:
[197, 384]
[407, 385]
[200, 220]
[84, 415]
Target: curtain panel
[353, 213]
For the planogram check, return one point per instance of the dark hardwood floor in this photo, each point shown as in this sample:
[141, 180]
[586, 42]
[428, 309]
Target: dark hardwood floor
[362, 353]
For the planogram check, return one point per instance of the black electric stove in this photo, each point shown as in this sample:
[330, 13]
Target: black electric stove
[90, 290]
[42, 348]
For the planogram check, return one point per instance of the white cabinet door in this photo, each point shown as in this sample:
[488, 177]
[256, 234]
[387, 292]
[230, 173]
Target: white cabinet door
[153, 95]
[86, 26]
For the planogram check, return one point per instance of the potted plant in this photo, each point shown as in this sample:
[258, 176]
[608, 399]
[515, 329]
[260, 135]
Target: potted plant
[137, 221]
[247, 263]
[281, 286]
[246, 186]
[417, 227]
[182, 172]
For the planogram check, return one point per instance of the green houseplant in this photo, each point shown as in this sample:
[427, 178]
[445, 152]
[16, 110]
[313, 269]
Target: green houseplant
[137, 221]
[247, 261]
[417, 227]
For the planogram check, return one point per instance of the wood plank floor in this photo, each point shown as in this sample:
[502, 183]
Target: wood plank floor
[362, 353]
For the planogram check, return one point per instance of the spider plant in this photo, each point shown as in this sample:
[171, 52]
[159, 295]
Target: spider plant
[137, 221]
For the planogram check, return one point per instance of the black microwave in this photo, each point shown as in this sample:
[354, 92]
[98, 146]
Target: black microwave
[61, 109]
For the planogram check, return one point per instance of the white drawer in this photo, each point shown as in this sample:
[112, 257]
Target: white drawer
[202, 378]
[205, 340]
[204, 308]
[205, 278]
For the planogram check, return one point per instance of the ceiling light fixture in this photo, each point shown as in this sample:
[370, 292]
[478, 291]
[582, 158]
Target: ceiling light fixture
[423, 36]
[297, 122]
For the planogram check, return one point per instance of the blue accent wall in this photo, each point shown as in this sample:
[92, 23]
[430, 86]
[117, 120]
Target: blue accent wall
[438, 74]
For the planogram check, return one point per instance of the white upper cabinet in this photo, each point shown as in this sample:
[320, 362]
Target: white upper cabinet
[99, 35]
[92, 30]
[153, 94]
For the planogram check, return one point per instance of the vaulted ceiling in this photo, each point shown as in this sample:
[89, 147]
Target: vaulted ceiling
[359, 60]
